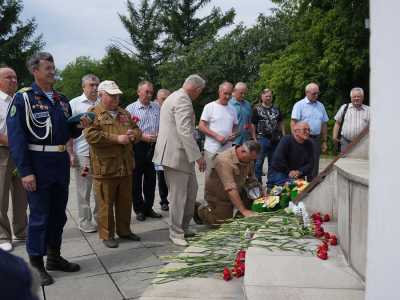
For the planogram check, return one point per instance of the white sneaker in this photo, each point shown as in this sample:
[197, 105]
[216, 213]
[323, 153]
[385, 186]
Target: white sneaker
[179, 242]
[7, 246]
[87, 227]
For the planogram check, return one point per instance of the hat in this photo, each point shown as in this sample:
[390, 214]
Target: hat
[110, 87]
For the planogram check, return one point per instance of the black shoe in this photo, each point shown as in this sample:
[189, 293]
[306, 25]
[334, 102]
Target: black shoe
[38, 264]
[153, 214]
[165, 207]
[196, 217]
[111, 243]
[140, 217]
[55, 262]
[131, 236]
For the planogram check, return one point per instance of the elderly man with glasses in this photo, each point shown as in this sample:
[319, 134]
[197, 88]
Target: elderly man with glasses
[293, 158]
[313, 112]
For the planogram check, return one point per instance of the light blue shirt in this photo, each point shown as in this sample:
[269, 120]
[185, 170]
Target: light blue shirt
[312, 113]
[243, 111]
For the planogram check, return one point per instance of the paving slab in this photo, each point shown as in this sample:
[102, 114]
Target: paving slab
[90, 266]
[300, 271]
[133, 283]
[97, 245]
[96, 287]
[128, 259]
[290, 293]
[197, 288]
[149, 225]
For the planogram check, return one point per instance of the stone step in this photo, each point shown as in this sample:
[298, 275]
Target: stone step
[276, 275]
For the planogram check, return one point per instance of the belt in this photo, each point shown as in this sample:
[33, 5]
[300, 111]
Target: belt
[314, 136]
[47, 148]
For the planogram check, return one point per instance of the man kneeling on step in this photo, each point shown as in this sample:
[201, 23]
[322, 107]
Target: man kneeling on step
[233, 170]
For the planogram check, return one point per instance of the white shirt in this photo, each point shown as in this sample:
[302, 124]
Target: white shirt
[5, 101]
[220, 119]
[79, 105]
[355, 120]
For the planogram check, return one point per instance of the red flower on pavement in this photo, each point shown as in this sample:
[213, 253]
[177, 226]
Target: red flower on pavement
[323, 247]
[333, 241]
[227, 274]
[322, 255]
[327, 218]
[327, 235]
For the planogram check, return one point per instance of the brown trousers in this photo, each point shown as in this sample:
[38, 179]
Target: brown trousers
[219, 210]
[8, 183]
[110, 193]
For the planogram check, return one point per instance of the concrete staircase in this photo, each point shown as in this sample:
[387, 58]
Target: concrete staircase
[343, 193]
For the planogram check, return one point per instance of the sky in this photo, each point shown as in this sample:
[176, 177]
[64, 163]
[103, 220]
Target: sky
[73, 28]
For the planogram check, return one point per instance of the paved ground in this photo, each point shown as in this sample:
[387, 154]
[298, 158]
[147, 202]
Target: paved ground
[126, 272]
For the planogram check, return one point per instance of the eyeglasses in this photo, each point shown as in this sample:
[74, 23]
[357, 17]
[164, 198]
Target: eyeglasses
[303, 129]
[314, 94]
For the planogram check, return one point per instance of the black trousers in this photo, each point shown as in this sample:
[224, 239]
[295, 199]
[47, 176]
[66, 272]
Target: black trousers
[162, 187]
[144, 178]
[316, 140]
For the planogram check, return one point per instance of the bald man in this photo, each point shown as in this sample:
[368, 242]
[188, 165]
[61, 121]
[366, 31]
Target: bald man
[313, 112]
[293, 158]
[219, 123]
[244, 113]
[8, 181]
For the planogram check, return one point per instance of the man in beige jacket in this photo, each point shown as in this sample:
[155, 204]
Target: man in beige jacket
[177, 151]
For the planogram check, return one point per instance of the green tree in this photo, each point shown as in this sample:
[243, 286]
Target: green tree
[183, 27]
[235, 57]
[144, 28]
[70, 78]
[115, 65]
[125, 70]
[328, 44]
[17, 40]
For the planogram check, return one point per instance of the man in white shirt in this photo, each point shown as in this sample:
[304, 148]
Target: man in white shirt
[162, 94]
[80, 160]
[8, 180]
[351, 119]
[219, 124]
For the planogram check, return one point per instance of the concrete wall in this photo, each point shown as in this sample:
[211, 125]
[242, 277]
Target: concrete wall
[383, 226]
[352, 203]
[323, 197]
[361, 150]
[344, 195]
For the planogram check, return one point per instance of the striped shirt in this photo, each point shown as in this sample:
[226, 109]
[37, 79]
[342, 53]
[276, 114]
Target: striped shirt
[355, 120]
[148, 116]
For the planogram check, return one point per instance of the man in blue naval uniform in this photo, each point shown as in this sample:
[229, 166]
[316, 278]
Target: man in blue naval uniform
[38, 133]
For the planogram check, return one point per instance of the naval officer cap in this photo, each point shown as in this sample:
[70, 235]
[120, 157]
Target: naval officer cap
[110, 87]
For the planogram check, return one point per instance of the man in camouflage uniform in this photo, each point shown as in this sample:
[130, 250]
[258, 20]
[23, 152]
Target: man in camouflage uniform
[110, 138]
[233, 170]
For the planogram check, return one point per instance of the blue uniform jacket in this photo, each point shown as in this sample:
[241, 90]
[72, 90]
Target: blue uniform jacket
[19, 136]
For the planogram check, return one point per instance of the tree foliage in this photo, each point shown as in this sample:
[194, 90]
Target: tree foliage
[300, 41]
[234, 57]
[328, 44]
[183, 27]
[17, 40]
[144, 28]
[116, 66]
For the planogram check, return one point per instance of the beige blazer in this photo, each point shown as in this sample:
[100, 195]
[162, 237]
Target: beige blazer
[176, 147]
